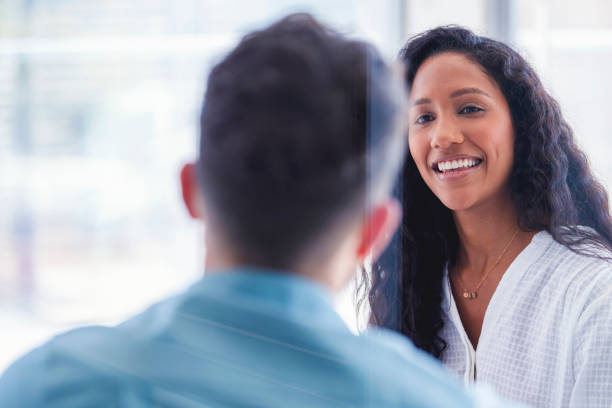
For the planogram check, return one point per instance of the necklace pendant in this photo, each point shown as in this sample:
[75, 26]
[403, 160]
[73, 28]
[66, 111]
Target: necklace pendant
[469, 295]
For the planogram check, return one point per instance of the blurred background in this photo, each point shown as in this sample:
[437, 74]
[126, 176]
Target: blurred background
[99, 104]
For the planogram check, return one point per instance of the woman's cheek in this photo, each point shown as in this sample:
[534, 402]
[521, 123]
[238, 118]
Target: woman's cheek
[418, 150]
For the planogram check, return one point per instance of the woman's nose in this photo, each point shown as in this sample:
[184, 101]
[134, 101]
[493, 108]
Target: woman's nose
[445, 133]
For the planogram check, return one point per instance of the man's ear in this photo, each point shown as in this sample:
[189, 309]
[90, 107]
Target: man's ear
[192, 196]
[379, 227]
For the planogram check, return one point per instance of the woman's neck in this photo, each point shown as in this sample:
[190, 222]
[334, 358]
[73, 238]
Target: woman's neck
[484, 232]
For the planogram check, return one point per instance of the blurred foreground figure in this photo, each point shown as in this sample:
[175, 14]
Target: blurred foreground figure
[299, 147]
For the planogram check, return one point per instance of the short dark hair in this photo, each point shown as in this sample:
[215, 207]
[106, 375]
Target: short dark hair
[295, 120]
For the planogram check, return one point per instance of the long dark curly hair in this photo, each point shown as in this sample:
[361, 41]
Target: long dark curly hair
[552, 189]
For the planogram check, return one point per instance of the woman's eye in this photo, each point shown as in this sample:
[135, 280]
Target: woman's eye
[424, 119]
[471, 109]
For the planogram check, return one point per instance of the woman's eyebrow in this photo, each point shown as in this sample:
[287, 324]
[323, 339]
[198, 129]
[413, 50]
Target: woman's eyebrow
[464, 91]
[421, 101]
[458, 92]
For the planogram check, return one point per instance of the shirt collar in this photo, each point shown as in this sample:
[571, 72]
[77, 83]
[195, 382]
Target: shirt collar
[274, 288]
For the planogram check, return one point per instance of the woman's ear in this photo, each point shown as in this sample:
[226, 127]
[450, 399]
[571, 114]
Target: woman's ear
[379, 227]
[192, 196]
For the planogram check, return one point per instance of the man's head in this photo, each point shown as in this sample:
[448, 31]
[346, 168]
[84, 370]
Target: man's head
[299, 146]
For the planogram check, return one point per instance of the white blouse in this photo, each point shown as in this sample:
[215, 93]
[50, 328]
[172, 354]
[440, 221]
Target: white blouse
[546, 337]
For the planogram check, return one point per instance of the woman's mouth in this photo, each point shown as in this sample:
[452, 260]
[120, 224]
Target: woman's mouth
[456, 165]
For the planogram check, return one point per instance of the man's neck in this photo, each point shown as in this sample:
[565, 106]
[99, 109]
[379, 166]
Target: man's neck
[329, 275]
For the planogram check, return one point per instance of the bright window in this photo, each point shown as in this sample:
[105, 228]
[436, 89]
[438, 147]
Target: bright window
[99, 103]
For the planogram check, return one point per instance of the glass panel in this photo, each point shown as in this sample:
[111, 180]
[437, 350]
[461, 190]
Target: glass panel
[99, 104]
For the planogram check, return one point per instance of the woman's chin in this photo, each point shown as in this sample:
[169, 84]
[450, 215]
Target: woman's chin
[457, 203]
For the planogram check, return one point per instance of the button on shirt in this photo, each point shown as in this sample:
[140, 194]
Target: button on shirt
[234, 339]
[546, 338]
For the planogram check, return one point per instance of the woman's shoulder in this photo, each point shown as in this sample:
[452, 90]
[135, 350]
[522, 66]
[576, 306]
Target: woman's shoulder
[583, 253]
[584, 272]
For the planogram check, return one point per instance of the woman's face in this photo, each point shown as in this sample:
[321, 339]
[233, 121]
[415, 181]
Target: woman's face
[460, 132]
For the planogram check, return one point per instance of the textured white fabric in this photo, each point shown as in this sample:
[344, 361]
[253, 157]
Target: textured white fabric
[547, 333]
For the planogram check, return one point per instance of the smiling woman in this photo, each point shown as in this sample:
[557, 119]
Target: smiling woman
[503, 265]
[461, 138]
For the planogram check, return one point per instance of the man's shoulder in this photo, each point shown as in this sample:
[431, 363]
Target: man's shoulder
[402, 368]
[90, 362]
[425, 381]
[399, 349]
[44, 375]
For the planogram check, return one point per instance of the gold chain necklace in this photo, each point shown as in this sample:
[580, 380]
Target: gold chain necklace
[472, 294]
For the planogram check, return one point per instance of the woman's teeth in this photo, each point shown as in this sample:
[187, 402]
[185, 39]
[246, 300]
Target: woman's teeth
[448, 165]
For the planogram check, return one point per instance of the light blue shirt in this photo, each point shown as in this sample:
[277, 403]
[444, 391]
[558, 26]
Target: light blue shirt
[235, 339]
